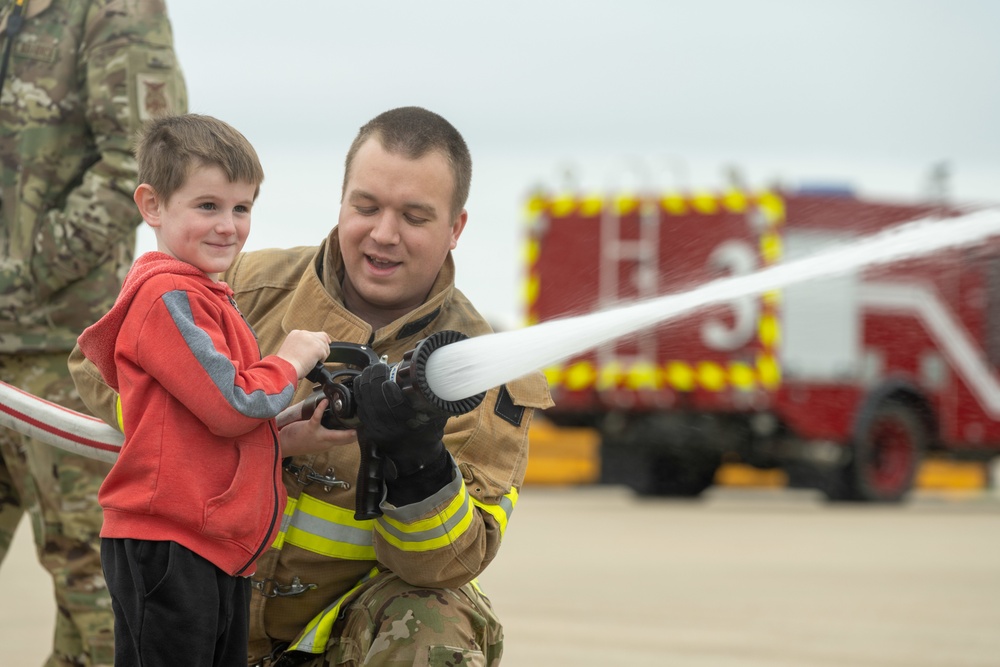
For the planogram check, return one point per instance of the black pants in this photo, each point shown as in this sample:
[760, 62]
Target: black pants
[172, 607]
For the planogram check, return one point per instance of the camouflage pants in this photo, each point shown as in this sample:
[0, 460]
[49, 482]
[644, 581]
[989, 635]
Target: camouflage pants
[59, 492]
[390, 623]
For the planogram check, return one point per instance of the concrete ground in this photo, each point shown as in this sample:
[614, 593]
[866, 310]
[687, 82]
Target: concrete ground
[762, 577]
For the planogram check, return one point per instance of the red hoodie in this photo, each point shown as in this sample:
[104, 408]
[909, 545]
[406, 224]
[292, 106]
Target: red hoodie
[200, 464]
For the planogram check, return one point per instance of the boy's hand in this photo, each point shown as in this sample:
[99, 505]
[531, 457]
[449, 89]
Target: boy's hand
[303, 349]
[309, 436]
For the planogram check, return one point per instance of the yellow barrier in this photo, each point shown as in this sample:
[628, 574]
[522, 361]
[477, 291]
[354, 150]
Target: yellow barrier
[562, 456]
[938, 474]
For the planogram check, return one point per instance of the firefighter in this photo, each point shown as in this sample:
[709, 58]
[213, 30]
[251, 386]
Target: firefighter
[399, 589]
[77, 78]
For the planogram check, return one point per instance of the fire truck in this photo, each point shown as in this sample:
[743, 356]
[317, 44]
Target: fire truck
[846, 383]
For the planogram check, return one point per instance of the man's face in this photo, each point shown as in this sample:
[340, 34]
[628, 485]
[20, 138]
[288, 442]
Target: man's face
[205, 222]
[395, 229]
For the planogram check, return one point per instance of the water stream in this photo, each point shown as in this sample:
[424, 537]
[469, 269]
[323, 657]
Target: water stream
[465, 368]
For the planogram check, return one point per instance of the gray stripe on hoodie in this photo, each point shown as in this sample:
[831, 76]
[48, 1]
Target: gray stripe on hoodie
[257, 404]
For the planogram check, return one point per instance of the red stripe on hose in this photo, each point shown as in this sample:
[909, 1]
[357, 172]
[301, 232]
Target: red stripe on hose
[65, 435]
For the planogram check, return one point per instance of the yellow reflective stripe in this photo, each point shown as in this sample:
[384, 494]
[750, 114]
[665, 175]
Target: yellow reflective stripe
[705, 202]
[432, 533]
[532, 286]
[591, 205]
[711, 376]
[674, 204]
[680, 376]
[714, 376]
[325, 529]
[502, 511]
[770, 330]
[553, 374]
[741, 375]
[562, 206]
[642, 375]
[735, 201]
[770, 247]
[286, 519]
[580, 375]
[773, 206]
[118, 413]
[316, 635]
[535, 205]
[769, 370]
[625, 204]
[609, 376]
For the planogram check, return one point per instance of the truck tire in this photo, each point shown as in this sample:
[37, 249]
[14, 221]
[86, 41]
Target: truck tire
[661, 454]
[680, 476]
[886, 452]
[652, 472]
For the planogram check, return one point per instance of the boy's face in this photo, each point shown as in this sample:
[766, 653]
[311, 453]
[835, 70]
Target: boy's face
[395, 228]
[206, 222]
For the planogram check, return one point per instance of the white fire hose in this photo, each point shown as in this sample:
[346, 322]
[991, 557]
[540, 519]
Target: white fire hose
[58, 426]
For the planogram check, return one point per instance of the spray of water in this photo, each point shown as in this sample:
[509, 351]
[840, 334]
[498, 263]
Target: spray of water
[467, 367]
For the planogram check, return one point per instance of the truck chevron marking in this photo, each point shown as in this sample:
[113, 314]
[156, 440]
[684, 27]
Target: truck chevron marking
[953, 338]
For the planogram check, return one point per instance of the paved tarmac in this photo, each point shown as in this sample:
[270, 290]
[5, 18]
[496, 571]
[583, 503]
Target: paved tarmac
[592, 576]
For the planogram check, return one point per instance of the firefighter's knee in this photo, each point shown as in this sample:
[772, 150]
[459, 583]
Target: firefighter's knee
[402, 625]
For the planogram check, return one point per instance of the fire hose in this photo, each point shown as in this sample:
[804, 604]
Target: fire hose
[58, 426]
[88, 436]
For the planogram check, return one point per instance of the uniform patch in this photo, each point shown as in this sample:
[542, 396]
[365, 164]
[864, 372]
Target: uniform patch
[154, 96]
[42, 51]
[505, 408]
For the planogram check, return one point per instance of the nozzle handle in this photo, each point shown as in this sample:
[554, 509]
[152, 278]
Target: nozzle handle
[370, 484]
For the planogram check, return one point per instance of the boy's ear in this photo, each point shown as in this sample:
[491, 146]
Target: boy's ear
[149, 204]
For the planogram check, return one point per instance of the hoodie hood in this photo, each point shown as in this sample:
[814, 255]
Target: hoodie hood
[98, 340]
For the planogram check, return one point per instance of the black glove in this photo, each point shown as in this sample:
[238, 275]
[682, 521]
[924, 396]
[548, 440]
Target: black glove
[410, 441]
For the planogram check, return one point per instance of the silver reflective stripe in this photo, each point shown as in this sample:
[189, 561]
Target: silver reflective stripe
[257, 404]
[327, 529]
[433, 530]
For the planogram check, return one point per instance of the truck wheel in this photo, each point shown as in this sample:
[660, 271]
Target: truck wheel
[660, 455]
[685, 477]
[886, 452]
[657, 473]
[650, 472]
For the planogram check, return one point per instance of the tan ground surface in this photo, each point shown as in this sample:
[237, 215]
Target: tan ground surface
[744, 578]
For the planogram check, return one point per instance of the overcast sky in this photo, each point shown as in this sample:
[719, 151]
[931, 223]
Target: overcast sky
[642, 92]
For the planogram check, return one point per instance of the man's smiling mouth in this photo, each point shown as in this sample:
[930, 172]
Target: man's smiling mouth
[381, 263]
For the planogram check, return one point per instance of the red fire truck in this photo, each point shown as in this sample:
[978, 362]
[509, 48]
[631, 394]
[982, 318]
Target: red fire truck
[846, 383]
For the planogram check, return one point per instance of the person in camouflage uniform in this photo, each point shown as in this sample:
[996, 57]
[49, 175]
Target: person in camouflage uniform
[80, 78]
[399, 589]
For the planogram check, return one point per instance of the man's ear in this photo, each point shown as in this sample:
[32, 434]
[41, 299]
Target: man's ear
[458, 226]
[148, 201]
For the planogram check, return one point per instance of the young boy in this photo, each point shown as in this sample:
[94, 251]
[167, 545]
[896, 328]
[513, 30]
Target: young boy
[196, 494]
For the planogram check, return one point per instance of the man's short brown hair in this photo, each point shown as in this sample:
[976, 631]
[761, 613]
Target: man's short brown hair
[414, 132]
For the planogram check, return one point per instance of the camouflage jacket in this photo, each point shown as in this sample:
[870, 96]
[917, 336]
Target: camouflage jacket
[82, 76]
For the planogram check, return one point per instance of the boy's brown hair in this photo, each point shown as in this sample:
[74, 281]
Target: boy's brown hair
[169, 146]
